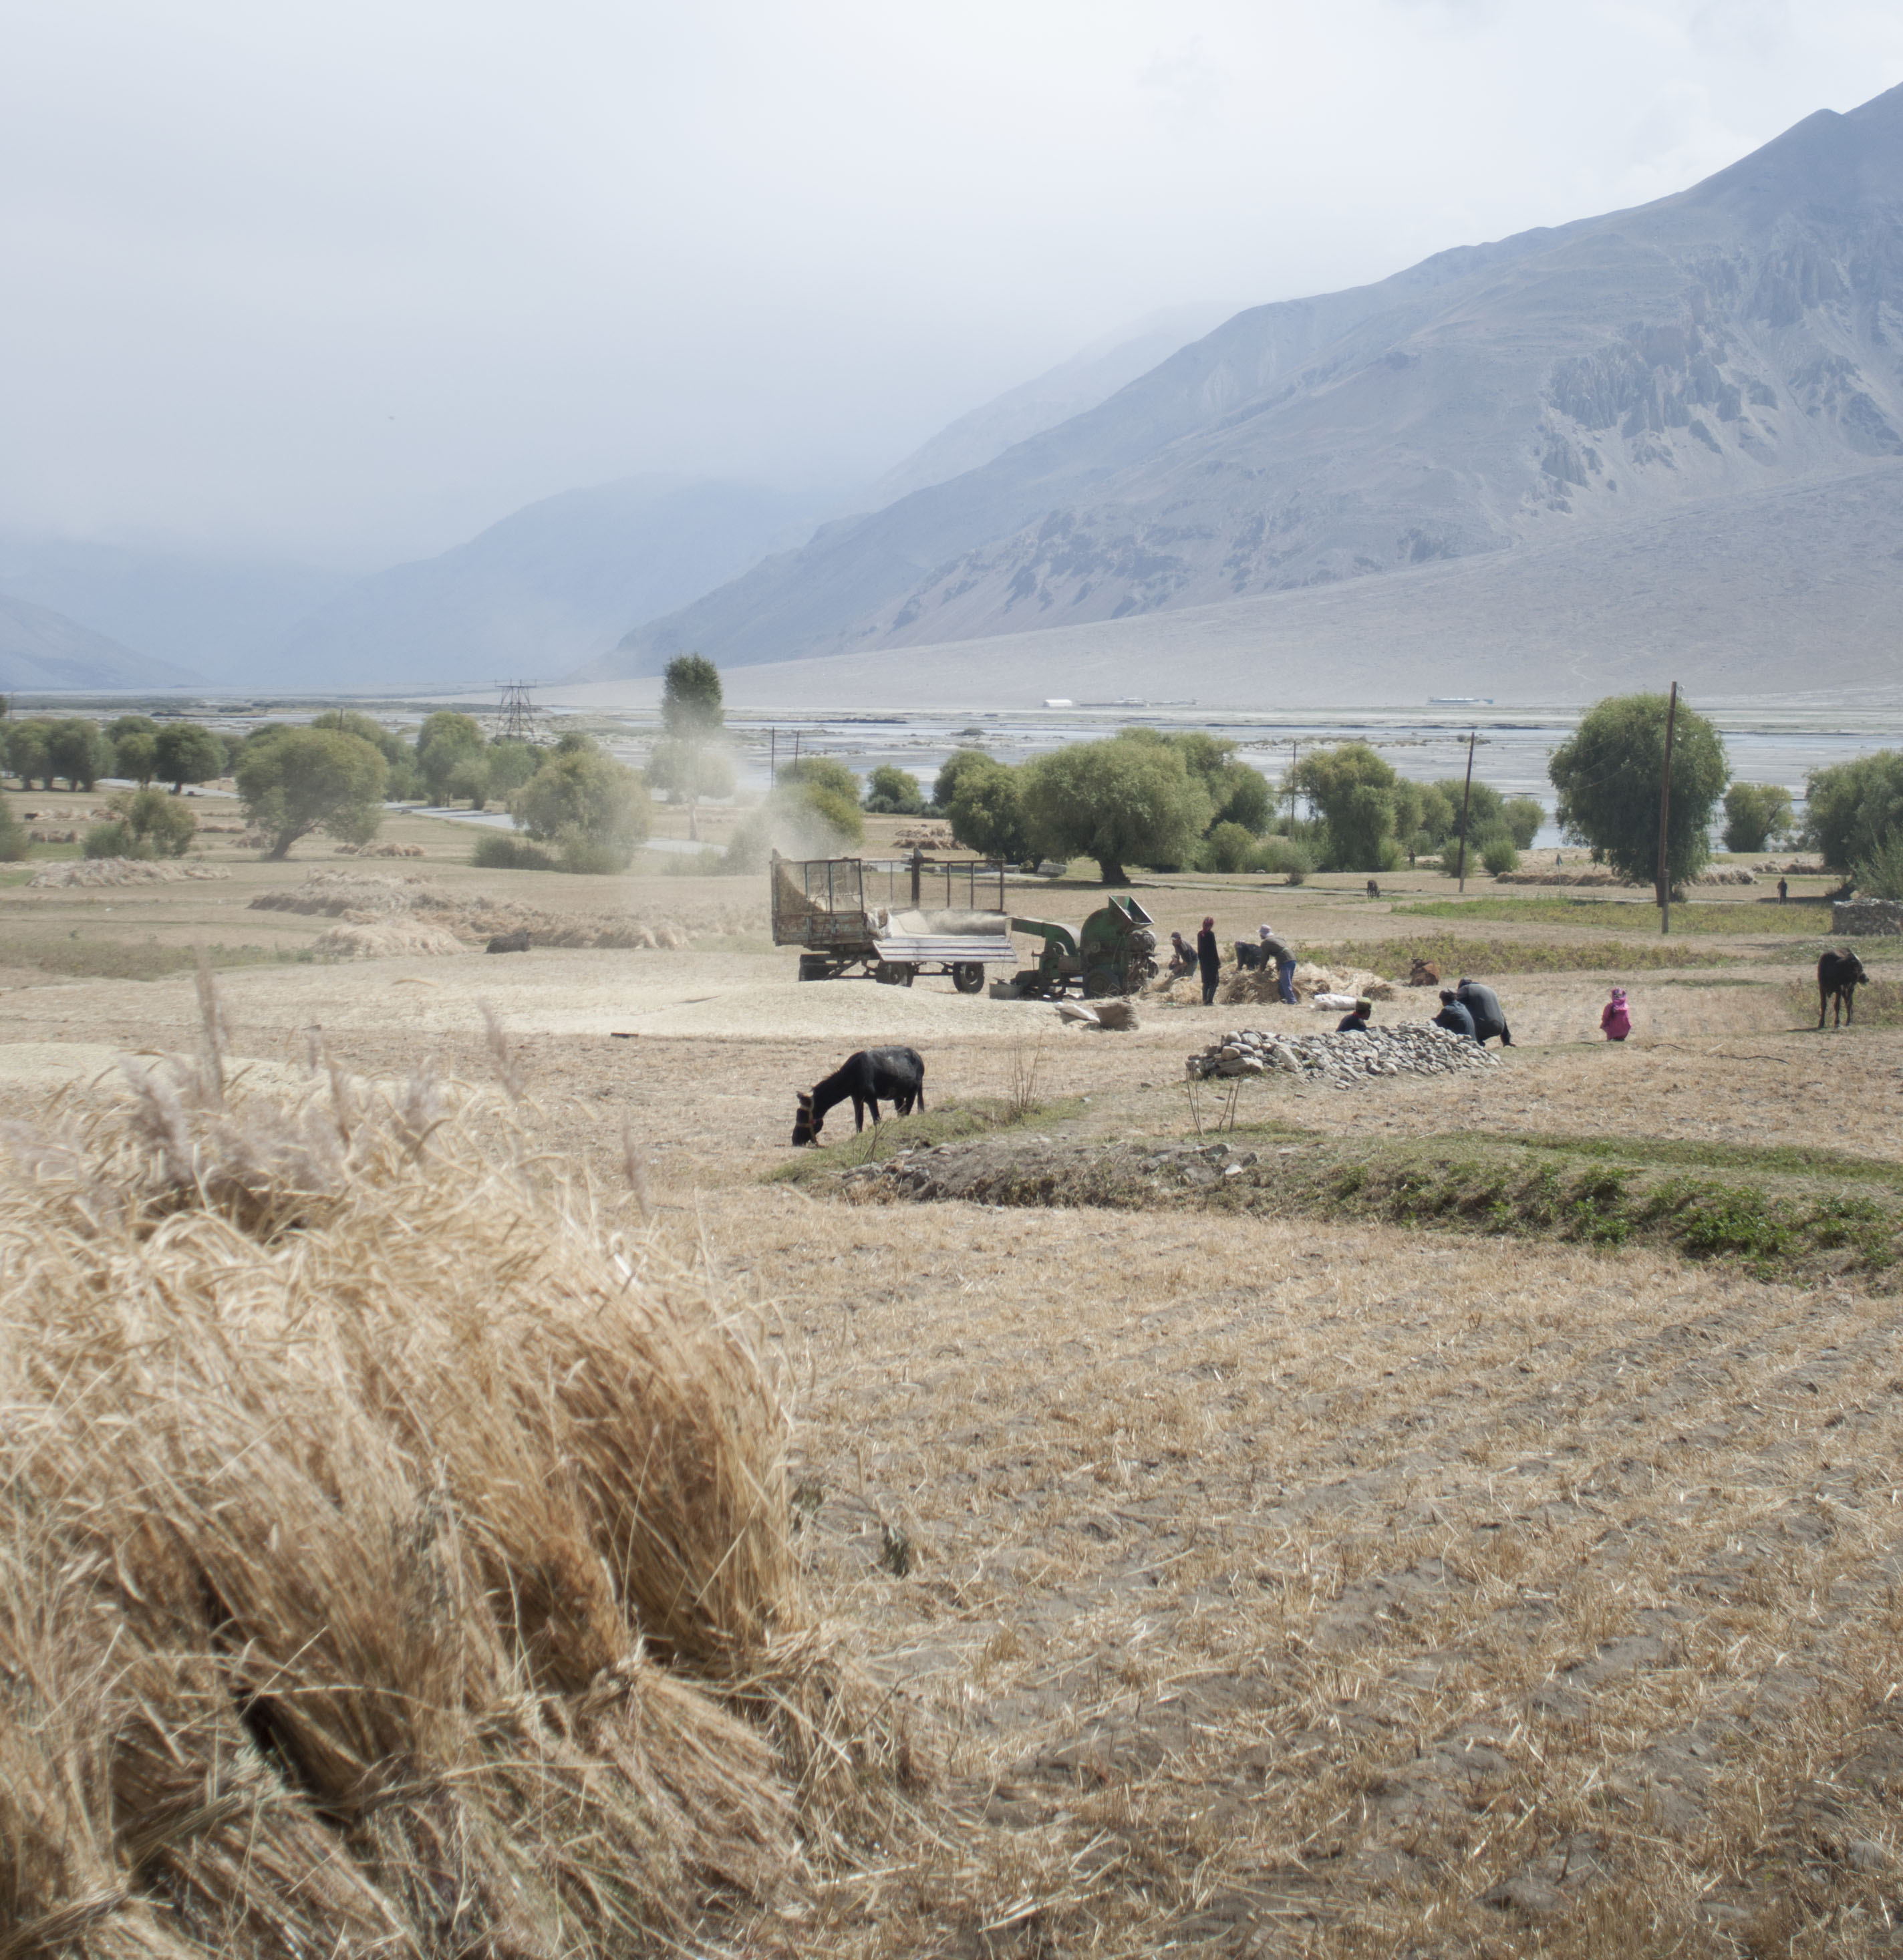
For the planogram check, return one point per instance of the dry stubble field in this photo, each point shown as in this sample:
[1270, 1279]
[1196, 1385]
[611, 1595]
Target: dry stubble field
[1268, 1584]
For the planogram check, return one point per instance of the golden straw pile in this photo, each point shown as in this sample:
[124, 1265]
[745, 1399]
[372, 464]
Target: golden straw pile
[387, 1563]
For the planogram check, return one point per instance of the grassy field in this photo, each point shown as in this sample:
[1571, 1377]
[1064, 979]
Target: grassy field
[1469, 1529]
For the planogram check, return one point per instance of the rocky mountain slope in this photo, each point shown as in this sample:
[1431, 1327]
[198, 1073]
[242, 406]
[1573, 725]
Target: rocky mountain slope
[1744, 335]
[41, 648]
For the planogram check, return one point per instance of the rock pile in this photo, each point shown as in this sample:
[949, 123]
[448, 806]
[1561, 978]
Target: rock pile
[1413, 1048]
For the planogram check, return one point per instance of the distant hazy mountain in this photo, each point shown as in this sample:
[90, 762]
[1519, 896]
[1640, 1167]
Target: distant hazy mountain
[220, 617]
[546, 587]
[1740, 336]
[41, 648]
[1067, 389]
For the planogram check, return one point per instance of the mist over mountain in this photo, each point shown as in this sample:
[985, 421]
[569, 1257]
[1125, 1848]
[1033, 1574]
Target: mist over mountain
[1566, 383]
[545, 587]
[41, 648]
[222, 618]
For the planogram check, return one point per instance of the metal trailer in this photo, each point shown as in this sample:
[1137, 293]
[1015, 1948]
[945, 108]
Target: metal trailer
[851, 913]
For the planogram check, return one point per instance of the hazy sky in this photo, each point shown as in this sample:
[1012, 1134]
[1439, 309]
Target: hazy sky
[350, 279]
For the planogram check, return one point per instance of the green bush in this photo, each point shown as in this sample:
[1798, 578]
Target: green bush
[891, 791]
[1287, 858]
[1880, 875]
[1522, 816]
[112, 840]
[824, 772]
[1499, 854]
[497, 850]
[1228, 847]
[165, 826]
[13, 835]
[593, 809]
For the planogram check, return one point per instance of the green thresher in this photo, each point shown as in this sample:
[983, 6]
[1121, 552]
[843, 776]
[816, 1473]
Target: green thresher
[1113, 952]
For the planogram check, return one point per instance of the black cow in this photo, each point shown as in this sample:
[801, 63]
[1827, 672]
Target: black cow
[898, 1075]
[1839, 975]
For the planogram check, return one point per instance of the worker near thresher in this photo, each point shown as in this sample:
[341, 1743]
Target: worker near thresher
[1490, 1018]
[1209, 958]
[1278, 950]
[1453, 1016]
[1183, 956]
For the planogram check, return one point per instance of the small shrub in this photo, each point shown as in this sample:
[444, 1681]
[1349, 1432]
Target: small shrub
[1499, 854]
[1228, 847]
[1286, 857]
[112, 840]
[497, 851]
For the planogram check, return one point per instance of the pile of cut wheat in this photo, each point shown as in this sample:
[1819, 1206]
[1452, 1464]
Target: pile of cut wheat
[383, 939]
[388, 1562]
[121, 871]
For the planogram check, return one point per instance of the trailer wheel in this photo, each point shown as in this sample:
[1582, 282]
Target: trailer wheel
[895, 973]
[814, 966]
[968, 976]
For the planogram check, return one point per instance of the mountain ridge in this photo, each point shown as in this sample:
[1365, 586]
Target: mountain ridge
[1742, 332]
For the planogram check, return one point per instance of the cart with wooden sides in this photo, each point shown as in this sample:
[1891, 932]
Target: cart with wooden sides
[892, 919]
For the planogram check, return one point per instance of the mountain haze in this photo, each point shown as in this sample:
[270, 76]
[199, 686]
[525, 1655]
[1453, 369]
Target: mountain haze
[1741, 336]
[42, 649]
[544, 588]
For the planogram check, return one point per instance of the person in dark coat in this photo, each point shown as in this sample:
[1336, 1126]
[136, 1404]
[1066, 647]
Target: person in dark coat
[1489, 1020]
[1209, 957]
[1454, 1017]
[1357, 1021]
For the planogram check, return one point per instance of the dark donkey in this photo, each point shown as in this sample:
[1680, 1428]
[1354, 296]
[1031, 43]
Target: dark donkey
[1839, 975]
[898, 1075]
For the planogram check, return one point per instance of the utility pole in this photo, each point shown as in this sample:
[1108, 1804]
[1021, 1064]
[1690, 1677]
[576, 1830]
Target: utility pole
[520, 721]
[1665, 814]
[773, 759]
[1466, 797]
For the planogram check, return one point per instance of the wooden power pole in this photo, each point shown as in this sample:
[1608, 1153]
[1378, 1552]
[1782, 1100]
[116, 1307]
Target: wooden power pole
[1466, 797]
[1665, 814]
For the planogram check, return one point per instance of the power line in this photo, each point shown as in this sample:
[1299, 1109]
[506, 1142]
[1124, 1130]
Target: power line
[520, 722]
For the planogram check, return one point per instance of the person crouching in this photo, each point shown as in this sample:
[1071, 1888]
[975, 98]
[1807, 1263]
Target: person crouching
[1615, 1021]
[1356, 1021]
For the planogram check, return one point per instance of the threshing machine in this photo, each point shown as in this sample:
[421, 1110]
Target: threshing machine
[1111, 953]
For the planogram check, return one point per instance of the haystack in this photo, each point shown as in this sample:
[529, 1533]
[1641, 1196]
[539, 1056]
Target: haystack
[388, 1562]
[385, 938]
[121, 871]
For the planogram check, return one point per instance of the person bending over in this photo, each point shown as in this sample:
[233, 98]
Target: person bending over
[1278, 950]
[1489, 1018]
[1454, 1017]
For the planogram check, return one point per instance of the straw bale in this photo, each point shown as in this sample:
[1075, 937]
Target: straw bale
[121, 871]
[379, 939]
[339, 1594]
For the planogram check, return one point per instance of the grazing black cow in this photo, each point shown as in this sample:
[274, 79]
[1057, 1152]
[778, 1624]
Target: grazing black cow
[1374, 890]
[1839, 975]
[898, 1075]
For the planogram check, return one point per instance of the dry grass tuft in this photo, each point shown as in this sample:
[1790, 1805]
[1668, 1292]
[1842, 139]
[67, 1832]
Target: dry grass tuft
[388, 1560]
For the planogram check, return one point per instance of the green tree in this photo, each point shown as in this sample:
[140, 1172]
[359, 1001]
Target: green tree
[1486, 812]
[593, 810]
[1522, 816]
[445, 739]
[1756, 816]
[405, 780]
[987, 809]
[824, 772]
[468, 780]
[1855, 808]
[135, 756]
[162, 826]
[1354, 791]
[27, 753]
[305, 779]
[891, 791]
[1237, 793]
[77, 749]
[692, 714]
[1608, 775]
[188, 753]
[1118, 801]
[512, 761]
[945, 786]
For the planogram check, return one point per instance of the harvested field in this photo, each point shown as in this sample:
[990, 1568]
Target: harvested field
[1467, 1528]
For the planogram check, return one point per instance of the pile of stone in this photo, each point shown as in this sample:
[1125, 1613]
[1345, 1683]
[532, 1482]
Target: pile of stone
[1413, 1048]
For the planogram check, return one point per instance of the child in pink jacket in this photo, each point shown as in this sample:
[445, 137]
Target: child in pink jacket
[1616, 1020]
